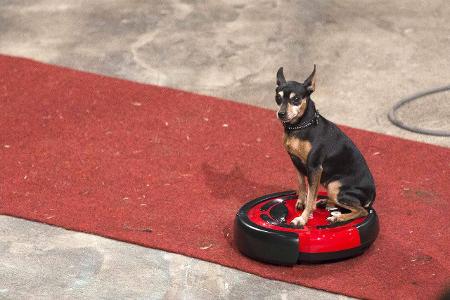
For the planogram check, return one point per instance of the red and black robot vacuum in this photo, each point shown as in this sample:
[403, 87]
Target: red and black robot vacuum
[263, 232]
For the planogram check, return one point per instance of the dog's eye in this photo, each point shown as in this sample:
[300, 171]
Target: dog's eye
[296, 101]
[278, 99]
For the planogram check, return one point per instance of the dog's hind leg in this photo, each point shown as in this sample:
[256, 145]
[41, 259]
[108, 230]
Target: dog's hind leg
[333, 189]
[338, 198]
[355, 212]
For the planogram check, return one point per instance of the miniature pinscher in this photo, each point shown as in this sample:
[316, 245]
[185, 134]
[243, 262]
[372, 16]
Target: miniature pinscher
[322, 154]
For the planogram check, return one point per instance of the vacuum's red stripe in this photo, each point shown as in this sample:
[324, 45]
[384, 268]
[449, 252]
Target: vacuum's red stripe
[169, 169]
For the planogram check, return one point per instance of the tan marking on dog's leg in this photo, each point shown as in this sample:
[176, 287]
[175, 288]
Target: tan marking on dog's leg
[313, 187]
[333, 189]
[301, 191]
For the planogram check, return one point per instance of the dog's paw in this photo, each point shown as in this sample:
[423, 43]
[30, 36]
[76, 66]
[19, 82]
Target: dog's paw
[298, 222]
[333, 219]
[300, 204]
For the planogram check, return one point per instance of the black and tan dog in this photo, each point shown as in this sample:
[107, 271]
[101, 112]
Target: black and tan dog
[322, 154]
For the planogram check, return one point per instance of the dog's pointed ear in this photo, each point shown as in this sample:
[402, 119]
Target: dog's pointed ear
[280, 77]
[310, 82]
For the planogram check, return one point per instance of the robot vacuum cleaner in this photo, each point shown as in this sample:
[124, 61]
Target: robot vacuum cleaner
[263, 232]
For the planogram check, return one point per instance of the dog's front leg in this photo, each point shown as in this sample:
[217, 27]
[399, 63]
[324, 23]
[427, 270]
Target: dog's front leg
[301, 191]
[310, 205]
[301, 170]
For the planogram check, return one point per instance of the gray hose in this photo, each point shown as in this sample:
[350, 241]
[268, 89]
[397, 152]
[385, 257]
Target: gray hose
[393, 117]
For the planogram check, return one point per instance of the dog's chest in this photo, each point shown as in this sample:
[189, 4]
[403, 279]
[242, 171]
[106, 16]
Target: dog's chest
[298, 147]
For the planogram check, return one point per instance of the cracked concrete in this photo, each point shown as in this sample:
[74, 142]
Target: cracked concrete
[369, 54]
[39, 261]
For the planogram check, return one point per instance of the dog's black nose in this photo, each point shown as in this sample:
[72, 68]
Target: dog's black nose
[281, 114]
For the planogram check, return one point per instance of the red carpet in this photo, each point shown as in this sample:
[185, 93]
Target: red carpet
[169, 169]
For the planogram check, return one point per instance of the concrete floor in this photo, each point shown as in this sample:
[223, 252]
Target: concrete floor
[38, 261]
[369, 55]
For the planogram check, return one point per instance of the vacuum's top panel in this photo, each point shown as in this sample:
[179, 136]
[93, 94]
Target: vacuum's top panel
[278, 212]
